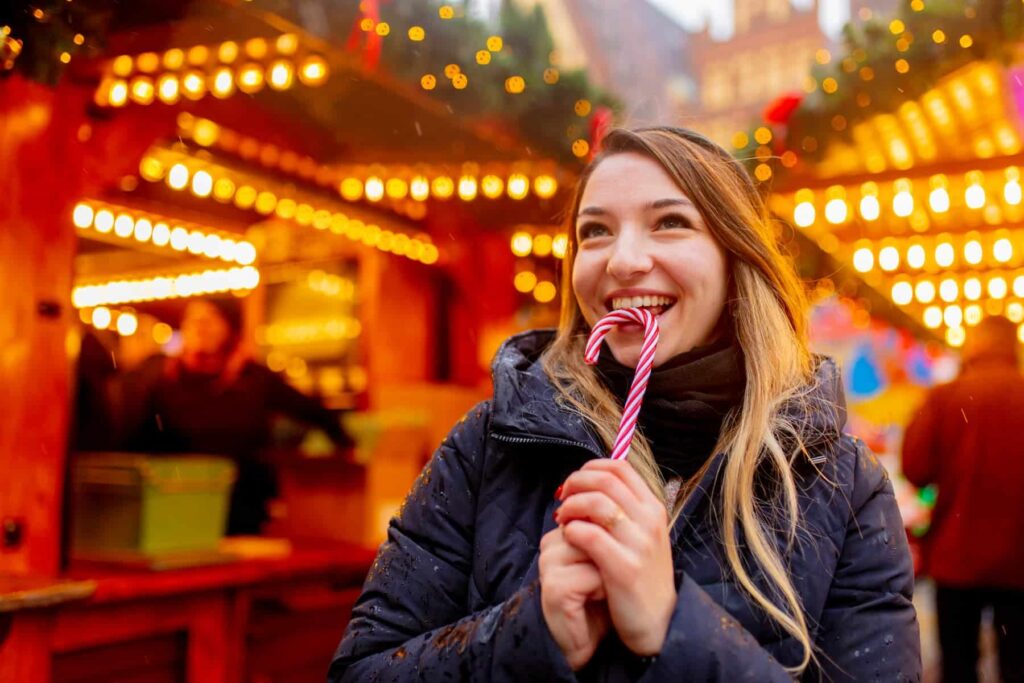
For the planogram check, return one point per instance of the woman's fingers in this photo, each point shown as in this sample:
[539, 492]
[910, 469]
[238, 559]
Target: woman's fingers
[605, 482]
[616, 562]
[625, 473]
[597, 508]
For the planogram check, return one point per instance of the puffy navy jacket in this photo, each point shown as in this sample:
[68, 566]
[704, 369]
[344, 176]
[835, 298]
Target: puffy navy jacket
[454, 591]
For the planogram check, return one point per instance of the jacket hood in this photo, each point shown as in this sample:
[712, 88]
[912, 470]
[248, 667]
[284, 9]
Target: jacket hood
[525, 404]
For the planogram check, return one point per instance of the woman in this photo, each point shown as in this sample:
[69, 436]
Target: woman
[746, 538]
[214, 399]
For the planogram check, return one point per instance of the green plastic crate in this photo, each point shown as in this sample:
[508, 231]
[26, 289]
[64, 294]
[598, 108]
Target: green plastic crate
[127, 504]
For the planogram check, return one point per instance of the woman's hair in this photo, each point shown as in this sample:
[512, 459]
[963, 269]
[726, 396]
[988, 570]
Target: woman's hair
[768, 309]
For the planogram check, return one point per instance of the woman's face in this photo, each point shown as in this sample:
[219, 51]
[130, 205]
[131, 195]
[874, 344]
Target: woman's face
[204, 329]
[642, 242]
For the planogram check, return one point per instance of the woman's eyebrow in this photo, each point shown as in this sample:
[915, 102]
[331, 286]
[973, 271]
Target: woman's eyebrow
[663, 203]
[592, 211]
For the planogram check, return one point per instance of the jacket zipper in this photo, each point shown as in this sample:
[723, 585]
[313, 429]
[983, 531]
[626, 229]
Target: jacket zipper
[546, 440]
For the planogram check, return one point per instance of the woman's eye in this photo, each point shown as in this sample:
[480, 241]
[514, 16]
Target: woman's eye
[673, 222]
[591, 230]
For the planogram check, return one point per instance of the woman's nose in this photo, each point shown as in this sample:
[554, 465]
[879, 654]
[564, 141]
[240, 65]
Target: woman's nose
[629, 257]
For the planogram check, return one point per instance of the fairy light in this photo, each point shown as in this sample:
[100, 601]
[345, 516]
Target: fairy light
[972, 289]
[972, 252]
[944, 254]
[949, 290]
[916, 256]
[517, 186]
[522, 244]
[903, 200]
[1002, 250]
[932, 317]
[863, 260]
[835, 211]
[162, 287]
[902, 293]
[997, 288]
[889, 258]
[924, 292]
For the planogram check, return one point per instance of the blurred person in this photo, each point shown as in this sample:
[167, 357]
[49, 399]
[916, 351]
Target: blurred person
[966, 439]
[745, 538]
[214, 399]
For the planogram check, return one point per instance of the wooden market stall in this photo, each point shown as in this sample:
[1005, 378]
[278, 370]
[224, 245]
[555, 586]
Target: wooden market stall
[213, 148]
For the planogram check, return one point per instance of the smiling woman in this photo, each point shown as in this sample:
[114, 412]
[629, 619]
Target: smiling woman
[746, 537]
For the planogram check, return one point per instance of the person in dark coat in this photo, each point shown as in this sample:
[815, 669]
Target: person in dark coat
[214, 399]
[745, 539]
[965, 438]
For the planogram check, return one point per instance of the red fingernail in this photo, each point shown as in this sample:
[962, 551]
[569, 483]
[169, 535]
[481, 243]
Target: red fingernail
[558, 493]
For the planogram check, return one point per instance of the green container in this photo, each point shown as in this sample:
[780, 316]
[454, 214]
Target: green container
[132, 504]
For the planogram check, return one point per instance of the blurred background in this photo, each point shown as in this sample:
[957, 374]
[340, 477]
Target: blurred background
[256, 258]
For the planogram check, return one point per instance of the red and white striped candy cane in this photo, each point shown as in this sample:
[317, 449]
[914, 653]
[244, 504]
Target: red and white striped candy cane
[631, 410]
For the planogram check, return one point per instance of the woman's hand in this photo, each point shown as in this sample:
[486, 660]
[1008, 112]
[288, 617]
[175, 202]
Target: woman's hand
[572, 599]
[611, 515]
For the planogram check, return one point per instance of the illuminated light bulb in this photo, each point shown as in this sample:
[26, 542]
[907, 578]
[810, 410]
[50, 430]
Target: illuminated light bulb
[167, 88]
[193, 86]
[580, 148]
[863, 260]
[932, 317]
[143, 230]
[953, 316]
[870, 208]
[211, 246]
[972, 314]
[124, 226]
[467, 188]
[416, 33]
[222, 83]
[955, 336]
[198, 55]
[127, 324]
[227, 52]
[972, 289]
[916, 256]
[82, 215]
[889, 258]
[281, 74]
[304, 214]
[1002, 250]
[973, 252]
[902, 293]
[997, 288]
[938, 200]
[974, 196]
[442, 187]
[396, 188]
[517, 186]
[522, 244]
[949, 290]
[196, 242]
[1012, 192]
[265, 203]
[515, 85]
[428, 82]
[104, 221]
[286, 43]
[245, 253]
[223, 189]
[161, 234]
[117, 96]
[122, 65]
[313, 71]
[924, 292]
[545, 291]
[525, 282]
[419, 188]
[151, 169]
[250, 78]
[1015, 311]
[147, 62]
[351, 189]
[101, 317]
[142, 90]
[542, 245]
[430, 254]
[560, 245]
[202, 184]
[492, 186]
[162, 333]
[544, 186]
[256, 48]
[177, 176]
[945, 254]
[903, 203]
[835, 211]
[374, 189]
[245, 197]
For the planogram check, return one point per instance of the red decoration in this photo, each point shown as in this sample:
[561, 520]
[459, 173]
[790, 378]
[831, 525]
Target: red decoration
[781, 108]
[372, 47]
[600, 124]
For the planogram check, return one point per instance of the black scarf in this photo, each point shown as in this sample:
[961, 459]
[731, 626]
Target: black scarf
[687, 399]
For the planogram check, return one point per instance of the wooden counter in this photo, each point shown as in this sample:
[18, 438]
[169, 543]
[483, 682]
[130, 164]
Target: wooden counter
[260, 620]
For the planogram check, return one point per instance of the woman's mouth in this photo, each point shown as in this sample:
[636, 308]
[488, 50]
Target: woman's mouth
[655, 304]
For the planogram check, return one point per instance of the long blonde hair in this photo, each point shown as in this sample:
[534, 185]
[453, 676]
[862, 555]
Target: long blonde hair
[768, 308]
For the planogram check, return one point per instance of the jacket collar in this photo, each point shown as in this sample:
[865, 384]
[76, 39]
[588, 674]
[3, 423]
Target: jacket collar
[525, 406]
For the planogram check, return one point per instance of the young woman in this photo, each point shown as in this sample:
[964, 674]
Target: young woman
[746, 537]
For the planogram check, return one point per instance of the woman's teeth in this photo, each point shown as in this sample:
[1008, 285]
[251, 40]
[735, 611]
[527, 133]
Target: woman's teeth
[654, 302]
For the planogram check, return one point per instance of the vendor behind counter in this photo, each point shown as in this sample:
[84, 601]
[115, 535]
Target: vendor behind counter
[214, 399]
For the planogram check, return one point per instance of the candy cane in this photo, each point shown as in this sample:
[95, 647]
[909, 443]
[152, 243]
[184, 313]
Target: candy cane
[631, 410]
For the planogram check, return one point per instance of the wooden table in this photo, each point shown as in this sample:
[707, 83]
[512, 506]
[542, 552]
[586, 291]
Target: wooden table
[260, 620]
